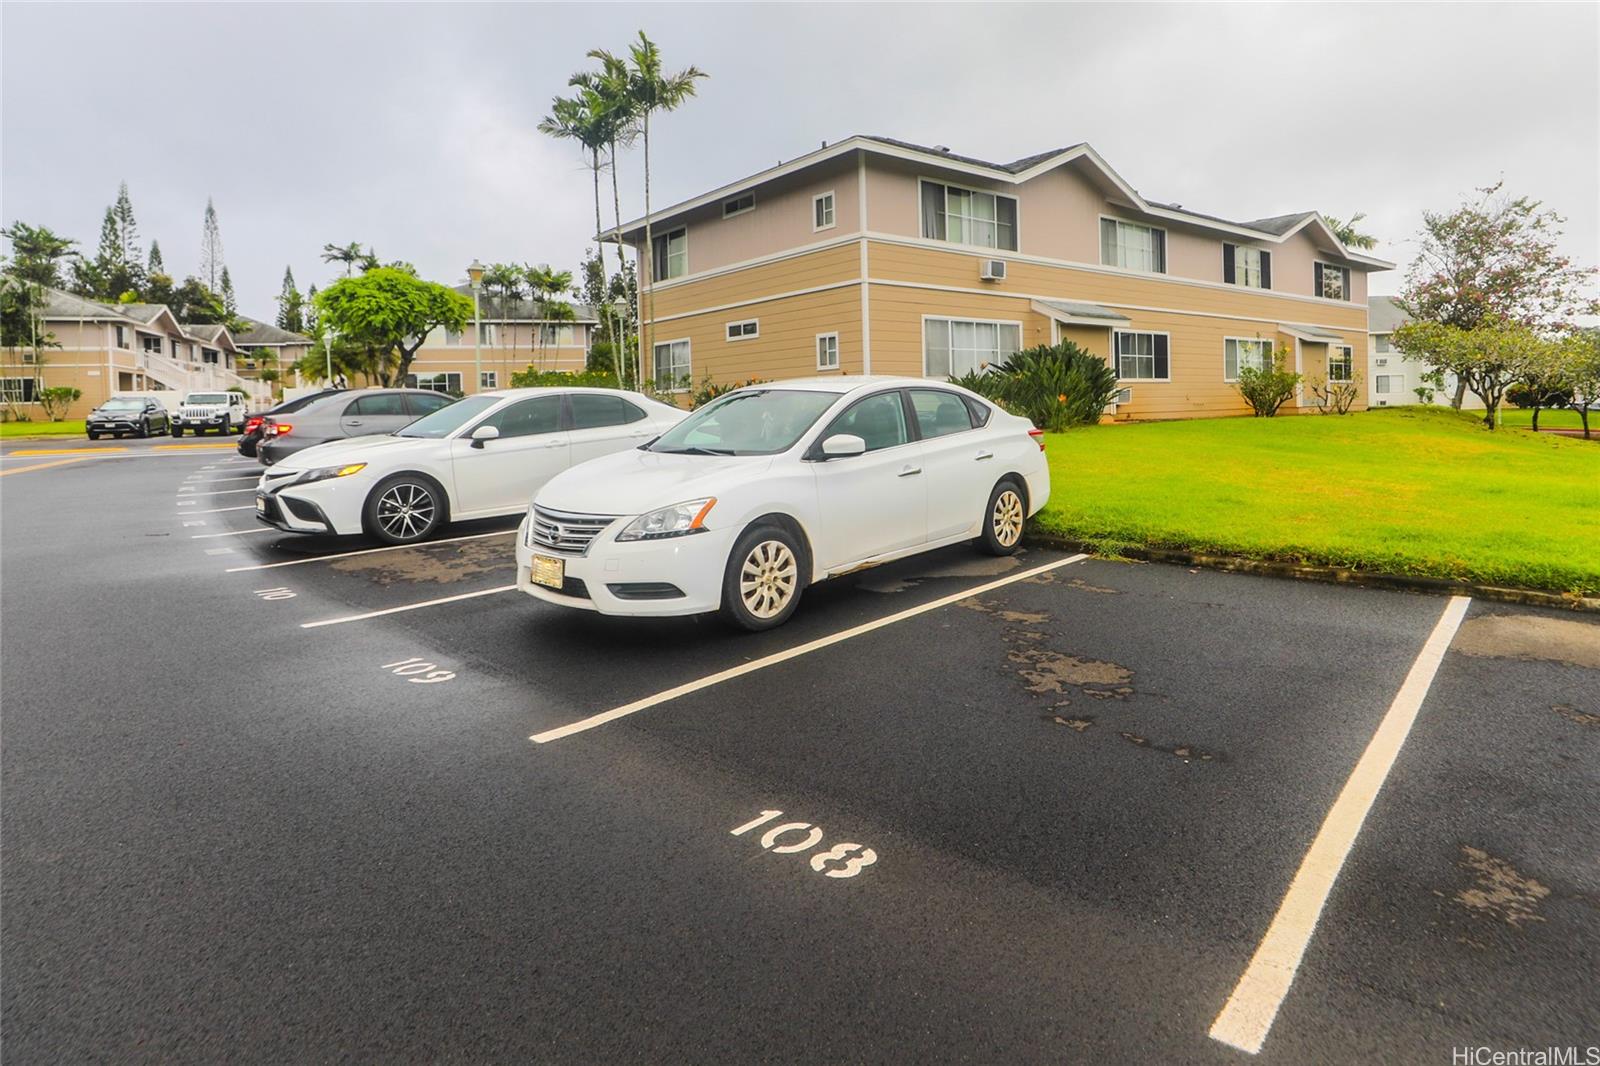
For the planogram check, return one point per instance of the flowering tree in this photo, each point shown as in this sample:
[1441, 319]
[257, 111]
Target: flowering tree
[1487, 359]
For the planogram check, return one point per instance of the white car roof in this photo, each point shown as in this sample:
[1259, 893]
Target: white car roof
[535, 390]
[841, 384]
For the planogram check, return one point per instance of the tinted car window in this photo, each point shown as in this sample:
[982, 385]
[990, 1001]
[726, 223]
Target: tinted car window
[384, 403]
[879, 420]
[591, 411]
[939, 412]
[542, 414]
[420, 404]
[980, 411]
[300, 402]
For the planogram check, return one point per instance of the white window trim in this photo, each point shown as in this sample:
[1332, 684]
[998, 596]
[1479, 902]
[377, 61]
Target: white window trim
[743, 210]
[655, 367]
[1341, 347]
[1017, 200]
[838, 354]
[1166, 248]
[1237, 248]
[438, 374]
[667, 239]
[1118, 357]
[818, 199]
[1272, 350]
[1339, 267]
[1021, 335]
[727, 328]
[493, 382]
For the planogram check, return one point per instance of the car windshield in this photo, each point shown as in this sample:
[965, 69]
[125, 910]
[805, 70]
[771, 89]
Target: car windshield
[206, 397]
[748, 422]
[446, 420]
[122, 404]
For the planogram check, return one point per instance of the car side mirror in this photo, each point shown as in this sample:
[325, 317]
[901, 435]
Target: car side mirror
[842, 445]
[484, 433]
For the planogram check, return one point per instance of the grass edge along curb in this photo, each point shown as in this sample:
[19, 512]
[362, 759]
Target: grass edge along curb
[1332, 575]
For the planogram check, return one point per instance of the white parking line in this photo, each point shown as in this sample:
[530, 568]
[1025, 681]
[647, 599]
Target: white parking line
[406, 607]
[1248, 1015]
[235, 533]
[241, 477]
[217, 510]
[364, 551]
[791, 653]
[219, 492]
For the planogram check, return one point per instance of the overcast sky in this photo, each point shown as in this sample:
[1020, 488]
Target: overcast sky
[412, 128]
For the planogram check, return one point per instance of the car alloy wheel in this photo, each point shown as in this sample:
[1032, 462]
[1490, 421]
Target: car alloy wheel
[768, 579]
[1006, 518]
[406, 511]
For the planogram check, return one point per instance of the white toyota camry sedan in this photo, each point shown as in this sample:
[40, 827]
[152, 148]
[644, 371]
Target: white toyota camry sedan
[769, 488]
[477, 458]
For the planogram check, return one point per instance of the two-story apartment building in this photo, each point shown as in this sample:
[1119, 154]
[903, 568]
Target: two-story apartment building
[511, 337]
[878, 256]
[264, 346]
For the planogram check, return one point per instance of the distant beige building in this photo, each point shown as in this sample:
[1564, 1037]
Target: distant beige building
[512, 338]
[878, 256]
[107, 349]
[265, 346]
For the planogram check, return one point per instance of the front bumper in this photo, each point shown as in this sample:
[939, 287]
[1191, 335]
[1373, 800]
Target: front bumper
[200, 421]
[333, 505]
[108, 425]
[635, 577]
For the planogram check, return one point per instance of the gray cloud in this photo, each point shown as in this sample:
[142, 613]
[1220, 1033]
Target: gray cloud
[411, 127]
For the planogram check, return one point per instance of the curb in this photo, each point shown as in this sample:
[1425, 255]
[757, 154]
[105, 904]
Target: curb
[1332, 575]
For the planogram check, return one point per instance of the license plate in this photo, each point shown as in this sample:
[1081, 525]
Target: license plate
[261, 505]
[549, 572]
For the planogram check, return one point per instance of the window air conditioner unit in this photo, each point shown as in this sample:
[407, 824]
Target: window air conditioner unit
[1383, 362]
[993, 270]
[1122, 396]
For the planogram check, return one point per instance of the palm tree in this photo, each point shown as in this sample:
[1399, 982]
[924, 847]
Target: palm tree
[348, 254]
[504, 280]
[546, 285]
[1347, 233]
[649, 90]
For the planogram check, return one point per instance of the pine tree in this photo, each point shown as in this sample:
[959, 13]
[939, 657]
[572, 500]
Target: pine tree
[156, 265]
[211, 264]
[309, 315]
[229, 303]
[290, 305]
[127, 228]
[111, 274]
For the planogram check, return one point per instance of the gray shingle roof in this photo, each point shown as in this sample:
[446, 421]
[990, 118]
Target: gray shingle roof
[206, 331]
[1384, 314]
[145, 313]
[1016, 166]
[66, 305]
[1277, 225]
[1077, 309]
[266, 333]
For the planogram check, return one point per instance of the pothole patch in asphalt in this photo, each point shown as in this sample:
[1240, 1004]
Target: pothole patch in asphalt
[1530, 637]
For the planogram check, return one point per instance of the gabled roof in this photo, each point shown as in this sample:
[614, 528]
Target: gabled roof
[491, 308]
[1273, 230]
[1385, 315]
[65, 305]
[266, 334]
[203, 331]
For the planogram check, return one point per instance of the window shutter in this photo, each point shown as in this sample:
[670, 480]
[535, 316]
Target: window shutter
[1161, 355]
[1266, 270]
[1158, 241]
[1116, 353]
[932, 211]
[1345, 271]
[1316, 279]
[1006, 213]
[1227, 264]
[1108, 242]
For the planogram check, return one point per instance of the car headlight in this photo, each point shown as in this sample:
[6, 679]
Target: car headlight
[676, 521]
[323, 473]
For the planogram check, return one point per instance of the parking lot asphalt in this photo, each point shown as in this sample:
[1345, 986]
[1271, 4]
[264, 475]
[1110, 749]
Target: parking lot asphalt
[247, 817]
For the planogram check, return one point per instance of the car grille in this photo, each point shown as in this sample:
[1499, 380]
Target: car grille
[569, 534]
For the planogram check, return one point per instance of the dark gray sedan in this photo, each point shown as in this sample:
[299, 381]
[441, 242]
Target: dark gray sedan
[138, 416]
[349, 413]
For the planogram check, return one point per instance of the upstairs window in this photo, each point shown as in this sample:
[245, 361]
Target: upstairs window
[822, 212]
[738, 331]
[1382, 342]
[122, 337]
[671, 258]
[739, 205]
[1331, 282]
[558, 334]
[1249, 268]
[968, 216]
[1133, 247]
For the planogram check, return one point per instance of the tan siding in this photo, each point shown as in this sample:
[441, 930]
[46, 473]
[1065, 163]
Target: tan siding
[828, 266]
[786, 347]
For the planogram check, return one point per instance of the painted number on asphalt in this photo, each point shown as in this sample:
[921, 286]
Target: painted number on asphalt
[792, 838]
[418, 672]
[276, 594]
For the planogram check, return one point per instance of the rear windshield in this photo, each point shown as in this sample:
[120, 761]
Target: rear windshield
[207, 397]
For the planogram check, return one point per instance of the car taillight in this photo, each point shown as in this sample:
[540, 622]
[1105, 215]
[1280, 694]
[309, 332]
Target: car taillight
[281, 429]
[251, 423]
[1038, 437]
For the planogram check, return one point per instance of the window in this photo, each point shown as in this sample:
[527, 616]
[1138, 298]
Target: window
[208, 355]
[738, 331]
[1142, 356]
[1380, 384]
[939, 413]
[671, 255]
[595, 410]
[488, 379]
[17, 390]
[122, 337]
[827, 351]
[1382, 342]
[452, 338]
[1332, 282]
[152, 344]
[1247, 267]
[879, 420]
[542, 414]
[425, 405]
[442, 381]
[1341, 367]
[1132, 246]
[952, 347]
[174, 343]
[822, 211]
[485, 333]
[1239, 353]
[739, 205]
[672, 364]
[968, 216]
[557, 334]
[384, 403]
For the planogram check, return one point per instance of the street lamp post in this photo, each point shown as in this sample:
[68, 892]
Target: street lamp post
[475, 276]
[327, 348]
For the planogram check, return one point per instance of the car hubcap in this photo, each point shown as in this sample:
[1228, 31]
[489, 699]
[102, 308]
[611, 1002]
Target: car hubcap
[1007, 518]
[768, 578]
[405, 511]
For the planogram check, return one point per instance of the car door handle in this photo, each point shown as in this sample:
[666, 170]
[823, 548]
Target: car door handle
[908, 470]
[982, 456]
[555, 444]
[352, 421]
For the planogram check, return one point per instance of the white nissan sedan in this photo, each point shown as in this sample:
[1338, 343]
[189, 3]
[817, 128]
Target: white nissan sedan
[477, 458]
[769, 488]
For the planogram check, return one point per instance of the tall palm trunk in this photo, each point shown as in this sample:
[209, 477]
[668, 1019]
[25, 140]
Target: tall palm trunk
[600, 254]
[650, 255]
[616, 215]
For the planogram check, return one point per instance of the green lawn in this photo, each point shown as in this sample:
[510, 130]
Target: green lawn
[1411, 490]
[70, 428]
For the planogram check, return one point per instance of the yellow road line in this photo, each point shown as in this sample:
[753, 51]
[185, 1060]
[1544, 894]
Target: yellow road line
[61, 451]
[190, 447]
[44, 466]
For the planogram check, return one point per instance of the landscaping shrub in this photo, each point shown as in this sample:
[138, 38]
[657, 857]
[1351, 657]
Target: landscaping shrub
[1267, 390]
[1334, 397]
[709, 390]
[56, 399]
[1054, 386]
[594, 379]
